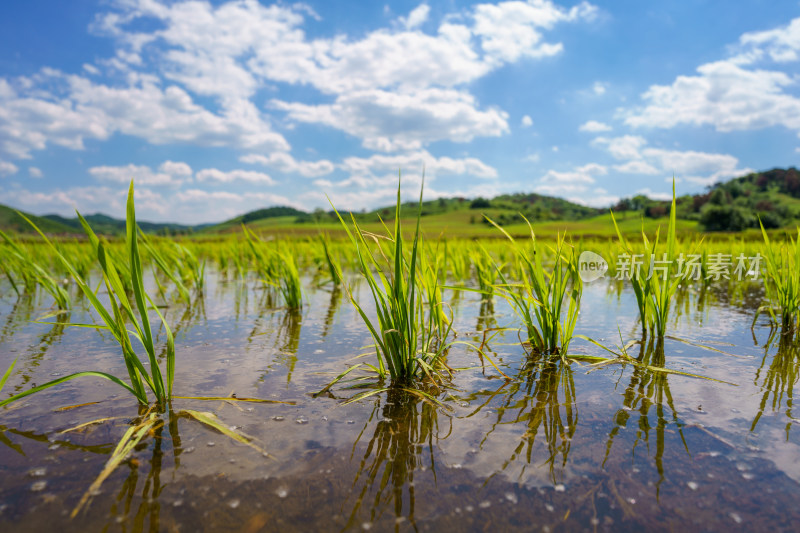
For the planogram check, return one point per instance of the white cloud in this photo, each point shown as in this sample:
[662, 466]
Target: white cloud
[594, 126]
[599, 88]
[732, 94]
[387, 85]
[624, 147]
[698, 167]
[86, 110]
[781, 44]
[636, 166]
[417, 17]
[175, 168]
[7, 169]
[527, 121]
[284, 162]
[511, 30]
[140, 174]
[213, 174]
[35, 172]
[554, 179]
[655, 195]
[395, 120]
[413, 163]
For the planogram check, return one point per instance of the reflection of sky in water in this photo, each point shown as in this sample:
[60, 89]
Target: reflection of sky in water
[616, 429]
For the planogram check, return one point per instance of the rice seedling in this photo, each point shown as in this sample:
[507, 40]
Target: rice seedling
[540, 295]
[32, 273]
[118, 314]
[655, 287]
[403, 333]
[782, 282]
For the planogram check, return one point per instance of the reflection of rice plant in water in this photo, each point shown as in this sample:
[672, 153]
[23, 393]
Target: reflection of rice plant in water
[648, 388]
[407, 428]
[778, 380]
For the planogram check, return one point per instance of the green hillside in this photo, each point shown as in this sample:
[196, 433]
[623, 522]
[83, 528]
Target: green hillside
[10, 221]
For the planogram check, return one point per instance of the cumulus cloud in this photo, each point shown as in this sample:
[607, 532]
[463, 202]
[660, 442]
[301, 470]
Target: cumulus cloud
[87, 110]
[694, 166]
[35, 172]
[743, 92]
[413, 163]
[284, 162]
[169, 173]
[397, 120]
[527, 121]
[594, 126]
[7, 168]
[385, 84]
[216, 175]
[417, 17]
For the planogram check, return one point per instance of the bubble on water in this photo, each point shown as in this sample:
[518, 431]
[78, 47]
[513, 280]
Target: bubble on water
[510, 496]
[351, 421]
[319, 351]
[748, 476]
[38, 472]
[211, 443]
[55, 374]
[736, 518]
[464, 404]
[233, 504]
[549, 507]
[632, 501]
[692, 485]
[177, 503]
[190, 449]
[278, 418]
[366, 526]
[282, 492]
[301, 420]
[250, 409]
[560, 487]
[54, 446]
[39, 486]
[324, 418]
[469, 508]
[455, 465]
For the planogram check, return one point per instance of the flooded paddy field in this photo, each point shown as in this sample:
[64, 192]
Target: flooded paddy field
[560, 446]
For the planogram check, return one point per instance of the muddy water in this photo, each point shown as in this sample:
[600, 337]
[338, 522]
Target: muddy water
[557, 448]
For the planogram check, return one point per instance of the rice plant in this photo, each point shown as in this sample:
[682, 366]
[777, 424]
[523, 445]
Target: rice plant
[33, 274]
[540, 296]
[656, 286]
[118, 315]
[402, 332]
[782, 282]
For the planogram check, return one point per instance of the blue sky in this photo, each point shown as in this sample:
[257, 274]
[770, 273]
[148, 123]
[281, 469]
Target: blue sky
[217, 108]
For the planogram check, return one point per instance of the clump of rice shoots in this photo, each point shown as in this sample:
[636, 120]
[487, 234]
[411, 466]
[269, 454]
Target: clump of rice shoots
[33, 274]
[655, 287]
[782, 282]
[405, 339]
[119, 315]
[547, 300]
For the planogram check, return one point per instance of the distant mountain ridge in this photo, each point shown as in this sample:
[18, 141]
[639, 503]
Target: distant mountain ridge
[772, 196]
